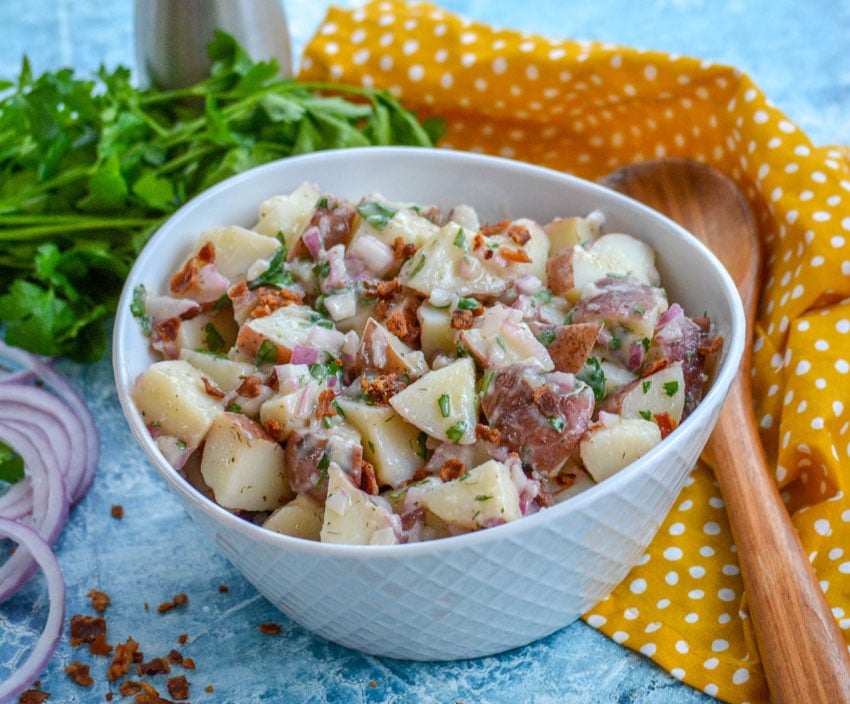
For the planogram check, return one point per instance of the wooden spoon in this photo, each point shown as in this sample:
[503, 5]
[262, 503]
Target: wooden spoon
[802, 649]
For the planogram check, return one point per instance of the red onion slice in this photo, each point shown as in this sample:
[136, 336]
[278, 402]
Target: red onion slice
[50, 505]
[31, 543]
[69, 394]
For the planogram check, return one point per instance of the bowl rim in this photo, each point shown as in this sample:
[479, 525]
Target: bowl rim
[727, 370]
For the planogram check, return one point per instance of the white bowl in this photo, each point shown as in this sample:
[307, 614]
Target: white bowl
[480, 593]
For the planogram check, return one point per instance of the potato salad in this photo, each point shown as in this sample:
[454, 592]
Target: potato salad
[374, 372]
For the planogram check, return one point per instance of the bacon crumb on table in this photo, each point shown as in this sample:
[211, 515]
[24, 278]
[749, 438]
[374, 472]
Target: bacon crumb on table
[99, 600]
[117, 511]
[33, 696]
[178, 600]
[86, 629]
[156, 666]
[178, 687]
[79, 673]
[183, 637]
[125, 655]
[223, 588]
[270, 629]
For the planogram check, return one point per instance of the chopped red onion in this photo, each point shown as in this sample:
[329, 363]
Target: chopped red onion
[312, 240]
[302, 354]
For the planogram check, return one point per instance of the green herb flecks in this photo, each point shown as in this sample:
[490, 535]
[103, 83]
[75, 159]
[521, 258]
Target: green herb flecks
[670, 387]
[455, 432]
[11, 465]
[213, 339]
[556, 423]
[460, 238]
[445, 404]
[91, 166]
[137, 308]
[276, 275]
[593, 375]
[377, 214]
[266, 353]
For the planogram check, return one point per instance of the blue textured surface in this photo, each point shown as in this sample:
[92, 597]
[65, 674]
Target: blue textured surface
[796, 52]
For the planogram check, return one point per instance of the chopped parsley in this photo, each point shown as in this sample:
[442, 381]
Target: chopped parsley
[213, 339]
[418, 267]
[671, 387]
[547, 336]
[557, 423]
[377, 214]
[266, 353]
[468, 304]
[445, 404]
[460, 238]
[277, 274]
[483, 497]
[593, 375]
[544, 295]
[324, 461]
[646, 415]
[137, 308]
[455, 433]
[646, 386]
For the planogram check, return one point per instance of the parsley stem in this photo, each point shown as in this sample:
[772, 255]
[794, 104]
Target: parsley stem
[51, 228]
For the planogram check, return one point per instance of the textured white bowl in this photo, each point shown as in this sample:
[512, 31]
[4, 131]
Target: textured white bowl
[484, 592]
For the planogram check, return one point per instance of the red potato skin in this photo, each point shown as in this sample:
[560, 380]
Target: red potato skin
[520, 403]
[303, 455]
[559, 272]
[573, 345]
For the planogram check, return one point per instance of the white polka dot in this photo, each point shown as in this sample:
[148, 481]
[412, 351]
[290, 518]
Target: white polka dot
[631, 613]
[652, 627]
[663, 604]
[671, 578]
[673, 554]
[841, 366]
[682, 647]
[677, 529]
[726, 595]
[837, 408]
[822, 527]
[706, 551]
[620, 636]
[711, 663]
[740, 676]
[500, 65]
[724, 618]
[719, 645]
[638, 586]
[716, 502]
[711, 528]
[730, 569]
[844, 568]
[416, 73]
[648, 649]
[692, 618]
[596, 620]
[696, 594]
[711, 689]
[697, 571]
[760, 117]
[835, 553]
[678, 673]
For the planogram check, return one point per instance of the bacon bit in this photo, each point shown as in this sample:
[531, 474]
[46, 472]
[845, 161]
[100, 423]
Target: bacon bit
[178, 600]
[373, 684]
[185, 279]
[487, 254]
[270, 629]
[513, 254]
[79, 673]
[33, 696]
[271, 299]
[117, 511]
[382, 289]
[710, 346]
[175, 657]
[656, 366]
[519, 234]
[167, 330]
[274, 430]
[188, 663]
[178, 687]
[478, 241]
[665, 424]
[382, 388]
[86, 629]
[211, 389]
[157, 666]
[100, 646]
[99, 600]
[109, 696]
[183, 637]
[239, 290]
[250, 387]
[129, 688]
[418, 476]
[494, 228]
[368, 480]
[326, 404]
[488, 434]
[223, 589]
[565, 479]
[209, 689]
[397, 324]
[403, 250]
[125, 654]
[544, 399]
[452, 469]
[462, 319]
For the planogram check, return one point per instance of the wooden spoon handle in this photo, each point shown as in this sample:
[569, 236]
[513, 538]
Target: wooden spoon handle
[803, 652]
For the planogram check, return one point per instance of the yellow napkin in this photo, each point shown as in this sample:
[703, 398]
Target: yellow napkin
[587, 108]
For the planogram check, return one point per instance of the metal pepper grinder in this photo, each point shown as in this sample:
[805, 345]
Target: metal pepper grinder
[171, 37]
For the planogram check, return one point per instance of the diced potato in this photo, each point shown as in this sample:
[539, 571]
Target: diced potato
[301, 518]
[354, 517]
[656, 394]
[285, 328]
[214, 329]
[389, 442]
[444, 265]
[382, 351]
[537, 248]
[572, 346]
[237, 248]
[624, 255]
[291, 411]
[609, 447]
[405, 223]
[500, 337]
[616, 375]
[243, 466]
[289, 214]
[565, 233]
[436, 334]
[442, 402]
[569, 271]
[172, 399]
[483, 497]
[224, 372]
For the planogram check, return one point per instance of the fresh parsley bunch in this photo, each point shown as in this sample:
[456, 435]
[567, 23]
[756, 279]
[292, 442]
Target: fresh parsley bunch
[90, 168]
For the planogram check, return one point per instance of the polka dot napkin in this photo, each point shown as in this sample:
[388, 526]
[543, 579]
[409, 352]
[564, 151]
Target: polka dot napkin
[588, 108]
